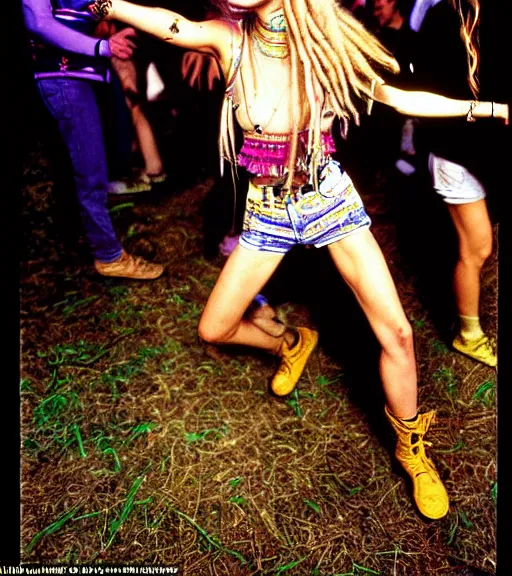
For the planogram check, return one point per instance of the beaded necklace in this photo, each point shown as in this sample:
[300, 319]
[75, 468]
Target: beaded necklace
[270, 38]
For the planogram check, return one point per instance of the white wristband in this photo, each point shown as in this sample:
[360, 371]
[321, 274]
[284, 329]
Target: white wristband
[104, 49]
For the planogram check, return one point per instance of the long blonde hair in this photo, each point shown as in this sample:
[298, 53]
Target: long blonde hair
[470, 19]
[330, 47]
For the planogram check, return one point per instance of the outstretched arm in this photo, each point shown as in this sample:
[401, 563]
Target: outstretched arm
[211, 36]
[414, 103]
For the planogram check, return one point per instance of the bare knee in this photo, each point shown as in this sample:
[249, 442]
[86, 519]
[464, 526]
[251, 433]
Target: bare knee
[405, 336]
[400, 341]
[477, 254]
[213, 331]
[485, 249]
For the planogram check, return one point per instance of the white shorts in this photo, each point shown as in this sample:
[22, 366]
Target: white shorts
[453, 182]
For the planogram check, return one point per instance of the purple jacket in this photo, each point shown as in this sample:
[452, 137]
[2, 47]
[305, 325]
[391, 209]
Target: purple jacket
[63, 42]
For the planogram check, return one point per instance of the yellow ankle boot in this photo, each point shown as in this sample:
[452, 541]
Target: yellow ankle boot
[429, 493]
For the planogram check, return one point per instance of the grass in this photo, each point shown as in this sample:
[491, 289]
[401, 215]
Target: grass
[486, 393]
[142, 445]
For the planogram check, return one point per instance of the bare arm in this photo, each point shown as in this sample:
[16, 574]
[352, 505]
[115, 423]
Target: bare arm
[211, 36]
[414, 103]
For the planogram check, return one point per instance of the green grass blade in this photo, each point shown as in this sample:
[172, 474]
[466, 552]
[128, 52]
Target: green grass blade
[208, 538]
[290, 566]
[313, 505]
[84, 516]
[76, 431]
[363, 569]
[52, 528]
[293, 401]
[494, 492]
[119, 207]
[113, 453]
[128, 507]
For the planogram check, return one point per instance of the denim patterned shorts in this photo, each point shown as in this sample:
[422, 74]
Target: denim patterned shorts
[317, 217]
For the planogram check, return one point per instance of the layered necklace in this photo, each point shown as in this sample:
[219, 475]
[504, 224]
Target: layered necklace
[268, 39]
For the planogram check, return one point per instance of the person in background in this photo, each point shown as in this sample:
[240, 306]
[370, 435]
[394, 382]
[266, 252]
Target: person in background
[392, 28]
[68, 62]
[357, 7]
[394, 133]
[131, 74]
[224, 205]
[445, 39]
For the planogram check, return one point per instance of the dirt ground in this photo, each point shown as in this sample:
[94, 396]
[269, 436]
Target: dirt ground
[141, 445]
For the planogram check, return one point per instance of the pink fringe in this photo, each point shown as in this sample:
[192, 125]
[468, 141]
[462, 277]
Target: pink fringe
[270, 157]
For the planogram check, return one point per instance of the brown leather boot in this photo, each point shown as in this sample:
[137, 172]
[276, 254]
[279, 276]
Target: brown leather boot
[128, 266]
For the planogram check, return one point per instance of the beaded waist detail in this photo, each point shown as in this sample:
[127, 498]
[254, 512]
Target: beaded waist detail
[267, 155]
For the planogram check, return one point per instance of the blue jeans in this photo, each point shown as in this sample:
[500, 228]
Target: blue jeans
[72, 102]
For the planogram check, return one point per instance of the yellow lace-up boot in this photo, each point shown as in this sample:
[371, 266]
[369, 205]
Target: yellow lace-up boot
[293, 361]
[429, 492]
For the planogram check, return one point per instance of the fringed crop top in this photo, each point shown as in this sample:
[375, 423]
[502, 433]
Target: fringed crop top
[267, 154]
[264, 154]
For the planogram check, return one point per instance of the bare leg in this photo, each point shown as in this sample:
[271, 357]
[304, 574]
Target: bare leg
[474, 231]
[243, 276]
[127, 72]
[361, 263]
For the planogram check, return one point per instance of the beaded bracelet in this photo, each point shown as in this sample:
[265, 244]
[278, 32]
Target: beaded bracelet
[469, 116]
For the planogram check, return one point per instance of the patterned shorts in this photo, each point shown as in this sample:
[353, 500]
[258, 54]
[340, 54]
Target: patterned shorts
[317, 217]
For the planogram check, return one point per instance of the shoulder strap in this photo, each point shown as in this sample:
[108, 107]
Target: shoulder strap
[237, 50]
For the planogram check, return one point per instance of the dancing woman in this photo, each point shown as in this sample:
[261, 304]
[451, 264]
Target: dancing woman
[291, 67]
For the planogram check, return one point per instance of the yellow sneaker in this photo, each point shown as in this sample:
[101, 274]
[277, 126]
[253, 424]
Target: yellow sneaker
[293, 362]
[482, 349]
[429, 492]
